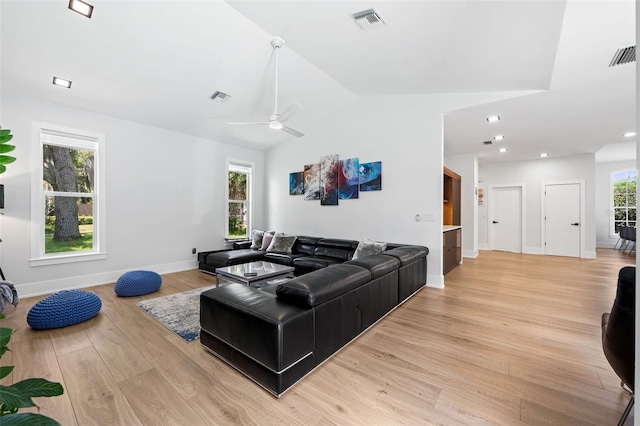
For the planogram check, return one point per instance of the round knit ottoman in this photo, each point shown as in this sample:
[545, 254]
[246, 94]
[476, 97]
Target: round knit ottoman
[66, 307]
[137, 283]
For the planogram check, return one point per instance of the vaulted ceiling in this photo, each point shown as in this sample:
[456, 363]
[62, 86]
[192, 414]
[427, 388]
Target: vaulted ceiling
[158, 62]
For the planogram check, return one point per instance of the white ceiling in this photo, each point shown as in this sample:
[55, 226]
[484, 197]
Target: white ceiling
[157, 63]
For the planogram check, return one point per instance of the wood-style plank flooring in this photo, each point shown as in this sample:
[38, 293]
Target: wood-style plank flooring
[512, 340]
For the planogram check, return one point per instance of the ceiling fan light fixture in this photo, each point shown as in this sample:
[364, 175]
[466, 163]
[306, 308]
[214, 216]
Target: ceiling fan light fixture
[275, 125]
[83, 8]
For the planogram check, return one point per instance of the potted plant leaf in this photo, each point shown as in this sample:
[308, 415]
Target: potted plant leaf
[20, 394]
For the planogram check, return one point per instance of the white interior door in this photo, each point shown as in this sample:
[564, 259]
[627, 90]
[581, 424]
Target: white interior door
[562, 219]
[506, 219]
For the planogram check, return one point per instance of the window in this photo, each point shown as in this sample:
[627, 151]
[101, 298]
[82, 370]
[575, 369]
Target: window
[66, 215]
[238, 211]
[623, 189]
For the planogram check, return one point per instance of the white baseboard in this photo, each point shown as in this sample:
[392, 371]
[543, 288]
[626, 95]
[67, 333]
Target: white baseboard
[69, 283]
[470, 253]
[435, 281]
[533, 250]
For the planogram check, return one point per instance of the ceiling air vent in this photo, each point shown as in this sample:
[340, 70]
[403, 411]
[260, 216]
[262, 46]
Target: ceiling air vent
[368, 19]
[488, 142]
[624, 56]
[220, 97]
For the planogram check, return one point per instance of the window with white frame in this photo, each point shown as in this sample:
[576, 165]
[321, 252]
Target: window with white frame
[623, 199]
[67, 213]
[238, 200]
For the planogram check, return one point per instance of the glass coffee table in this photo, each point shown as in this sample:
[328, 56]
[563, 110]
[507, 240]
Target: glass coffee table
[254, 274]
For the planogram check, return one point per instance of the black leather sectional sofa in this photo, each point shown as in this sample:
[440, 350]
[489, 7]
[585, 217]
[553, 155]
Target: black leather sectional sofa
[308, 254]
[278, 333]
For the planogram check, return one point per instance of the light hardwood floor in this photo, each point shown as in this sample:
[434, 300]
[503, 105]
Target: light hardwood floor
[512, 340]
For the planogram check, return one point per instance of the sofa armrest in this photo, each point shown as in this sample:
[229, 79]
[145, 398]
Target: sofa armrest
[202, 255]
[239, 245]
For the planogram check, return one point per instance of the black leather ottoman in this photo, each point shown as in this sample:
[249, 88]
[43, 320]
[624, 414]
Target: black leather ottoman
[268, 340]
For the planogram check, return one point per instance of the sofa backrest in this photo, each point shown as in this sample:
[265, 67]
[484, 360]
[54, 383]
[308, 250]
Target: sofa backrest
[305, 245]
[335, 248]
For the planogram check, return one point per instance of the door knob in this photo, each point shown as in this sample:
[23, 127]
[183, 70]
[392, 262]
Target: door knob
[575, 224]
[495, 221]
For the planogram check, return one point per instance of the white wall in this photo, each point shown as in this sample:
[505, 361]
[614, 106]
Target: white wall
[164, 196]
[467, 167]
[406, 134]
[603, 211]
[533, 174]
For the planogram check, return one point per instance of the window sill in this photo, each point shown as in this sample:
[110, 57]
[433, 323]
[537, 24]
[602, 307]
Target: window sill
[67, 258]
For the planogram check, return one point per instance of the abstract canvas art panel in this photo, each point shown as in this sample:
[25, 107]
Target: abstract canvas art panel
[348, 179]
[296, 183]
[329, 180]
[371, 176]
[311, 177]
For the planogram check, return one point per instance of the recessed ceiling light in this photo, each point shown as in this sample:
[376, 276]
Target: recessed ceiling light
[493, 118]
[220, 97]
[81, 7]
[61, 82]
[498, 138]
[502, 150]
[629, 134]
[543, 155]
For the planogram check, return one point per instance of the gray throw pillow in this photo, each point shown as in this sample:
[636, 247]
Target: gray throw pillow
[256, 239]
[282, 243]
[367, 247]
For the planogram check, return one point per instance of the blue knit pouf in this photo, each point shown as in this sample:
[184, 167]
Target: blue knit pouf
[137, 283]
[64, 308]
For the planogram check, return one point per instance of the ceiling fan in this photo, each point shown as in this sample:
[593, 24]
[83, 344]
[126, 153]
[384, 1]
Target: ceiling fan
[276, 119]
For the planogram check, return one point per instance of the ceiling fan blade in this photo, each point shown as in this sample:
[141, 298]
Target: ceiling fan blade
[291, 110]
[244, 123]
[293, 132]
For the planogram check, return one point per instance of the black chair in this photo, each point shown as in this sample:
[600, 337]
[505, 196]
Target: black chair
[620, 237]
[618, 333]
[631, 238]
[624, 235]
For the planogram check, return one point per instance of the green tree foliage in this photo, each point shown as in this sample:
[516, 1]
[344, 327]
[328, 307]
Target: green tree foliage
[237, 210]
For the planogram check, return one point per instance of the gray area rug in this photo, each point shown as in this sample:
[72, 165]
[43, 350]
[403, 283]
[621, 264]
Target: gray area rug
[178, 312]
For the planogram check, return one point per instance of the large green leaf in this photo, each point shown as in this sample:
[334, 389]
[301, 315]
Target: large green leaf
[14, 398]
[6, 148]
[27, 419]
[5, 138]
[4, 132]
[38, 387]
[5, 371]
[2, 168]
[6, 159]
[5, 336]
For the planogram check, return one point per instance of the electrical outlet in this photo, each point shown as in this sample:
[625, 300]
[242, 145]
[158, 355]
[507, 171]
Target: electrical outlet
[193, 250]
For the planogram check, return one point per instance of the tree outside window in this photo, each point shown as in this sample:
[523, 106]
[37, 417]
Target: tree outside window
[624, 199]
[68, 189]
[238, 201]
